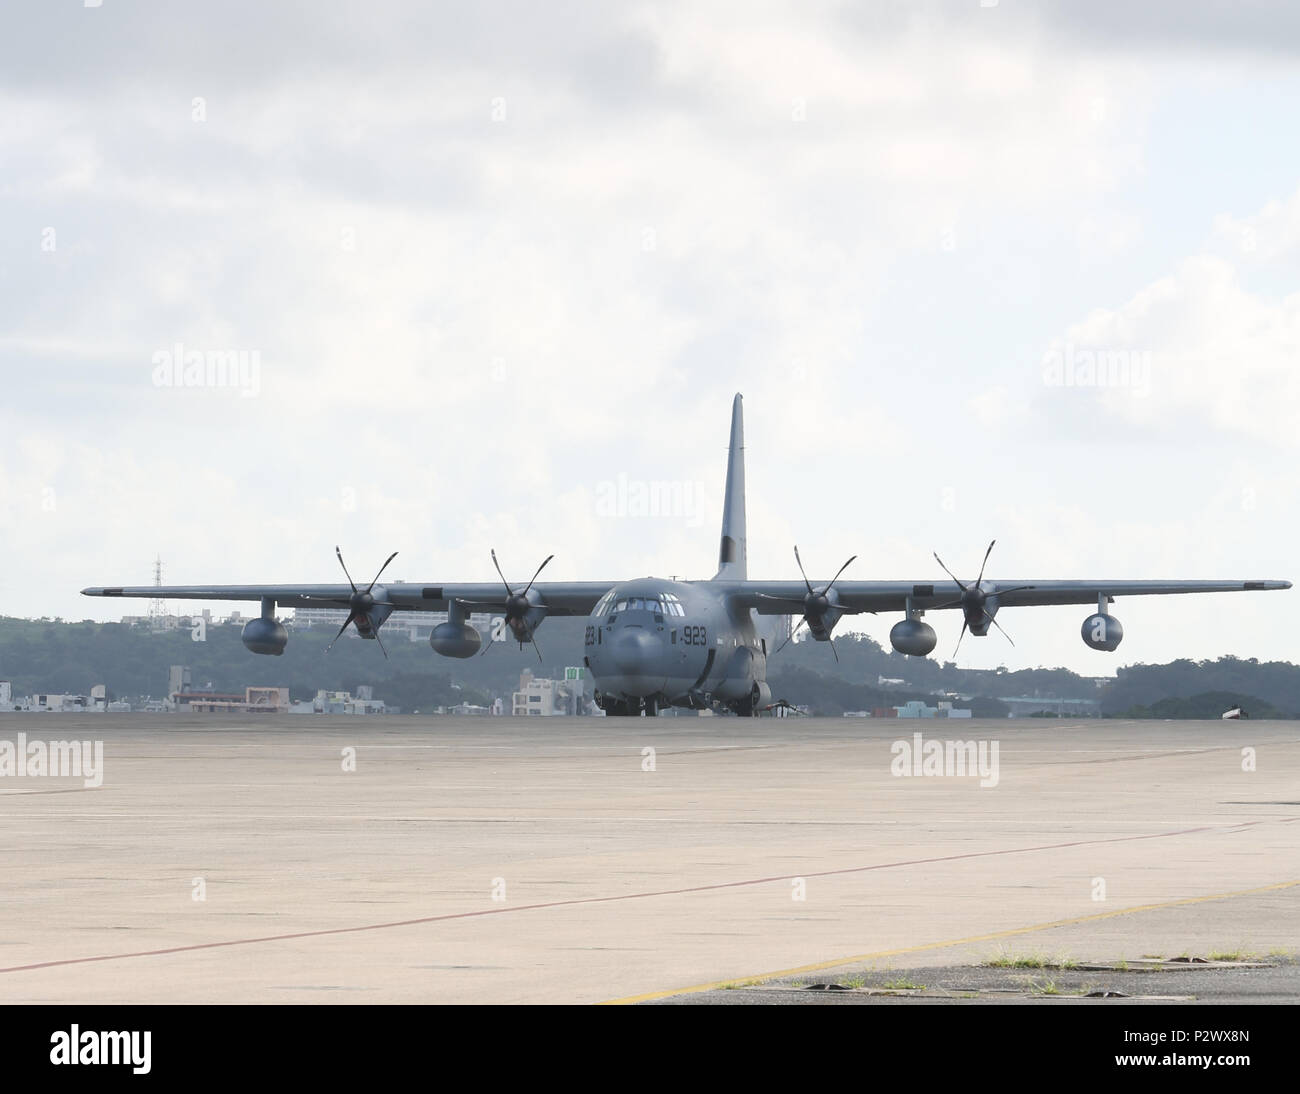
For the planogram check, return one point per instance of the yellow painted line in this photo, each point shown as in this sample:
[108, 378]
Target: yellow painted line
[991, 937]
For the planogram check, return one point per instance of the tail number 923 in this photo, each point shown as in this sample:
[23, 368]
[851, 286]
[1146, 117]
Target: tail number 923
[695, 636]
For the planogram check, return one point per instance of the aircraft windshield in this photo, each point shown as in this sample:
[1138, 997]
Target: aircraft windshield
[667, 604]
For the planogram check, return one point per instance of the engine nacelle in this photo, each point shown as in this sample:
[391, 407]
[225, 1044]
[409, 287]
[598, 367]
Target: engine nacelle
[455, 640]
[1102, 632]
[266, 636]
[912, 637]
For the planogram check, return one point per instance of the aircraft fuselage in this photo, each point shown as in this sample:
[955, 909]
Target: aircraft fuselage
[652, 643]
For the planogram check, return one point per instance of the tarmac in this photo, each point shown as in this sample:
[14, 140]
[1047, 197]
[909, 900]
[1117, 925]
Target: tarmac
[230, 858]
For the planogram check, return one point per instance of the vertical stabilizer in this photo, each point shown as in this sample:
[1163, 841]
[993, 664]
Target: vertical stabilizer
[731, 551]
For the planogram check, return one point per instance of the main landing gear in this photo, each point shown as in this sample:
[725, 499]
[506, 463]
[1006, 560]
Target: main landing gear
[628, 708]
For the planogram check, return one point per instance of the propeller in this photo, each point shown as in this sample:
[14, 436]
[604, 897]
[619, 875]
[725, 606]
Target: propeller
[360, 602]
[815, 604]
[518, 604]
[974, 599]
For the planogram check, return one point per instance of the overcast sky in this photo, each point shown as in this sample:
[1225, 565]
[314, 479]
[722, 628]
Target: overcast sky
[502, 265]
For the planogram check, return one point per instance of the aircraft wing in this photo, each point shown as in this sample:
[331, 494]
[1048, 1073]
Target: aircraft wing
[560, 597]
[786, 597]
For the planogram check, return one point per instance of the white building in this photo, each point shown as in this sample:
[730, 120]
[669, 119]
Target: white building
[343, 702]
[539, 697]
[414, 625]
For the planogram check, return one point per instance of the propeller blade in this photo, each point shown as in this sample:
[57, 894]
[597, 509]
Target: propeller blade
[947, 571]
[837, 575]
[964, 625]
[781, 599]
[381, 570]
[509, 591]
[381, 643]
[833, 650]
[536, 647]
[492, 641]
[345, 569]
[801, 570]
[984, 563]
[351, 616]
[790, 636]
[539, 570]
[999, 627]
[940, 607]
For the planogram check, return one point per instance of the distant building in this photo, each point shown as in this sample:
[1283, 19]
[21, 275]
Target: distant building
[267, 700]
[475, 710]
[415, 626]
[343, 702]
[917, 709]
[60, 704]
[178, 681]
[947, 710]
[208, 702]
[254, 700]
[540, 697]
[1024, 705]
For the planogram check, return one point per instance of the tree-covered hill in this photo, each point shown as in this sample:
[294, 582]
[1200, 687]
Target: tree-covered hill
[54, 656]
[46, 656]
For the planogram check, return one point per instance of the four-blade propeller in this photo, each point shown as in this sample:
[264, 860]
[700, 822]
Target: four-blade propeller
[974, 600]
[518, 605]
[816, 603]
[360, 602]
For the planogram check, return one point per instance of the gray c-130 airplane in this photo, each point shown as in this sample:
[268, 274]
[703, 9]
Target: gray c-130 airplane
[652, 643]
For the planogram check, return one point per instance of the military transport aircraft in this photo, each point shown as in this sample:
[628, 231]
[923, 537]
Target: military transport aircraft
[652, 643]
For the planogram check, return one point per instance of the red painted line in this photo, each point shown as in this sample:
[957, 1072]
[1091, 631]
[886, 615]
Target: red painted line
[578, 901]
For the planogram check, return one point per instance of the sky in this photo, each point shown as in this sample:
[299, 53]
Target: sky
[466, 277]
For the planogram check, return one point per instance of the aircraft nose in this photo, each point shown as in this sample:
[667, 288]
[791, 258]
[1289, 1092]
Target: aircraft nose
[633, 650]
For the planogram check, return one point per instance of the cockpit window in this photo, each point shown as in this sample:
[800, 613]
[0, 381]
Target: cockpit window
[664, 604]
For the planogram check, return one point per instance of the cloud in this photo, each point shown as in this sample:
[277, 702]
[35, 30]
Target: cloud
[492, 256]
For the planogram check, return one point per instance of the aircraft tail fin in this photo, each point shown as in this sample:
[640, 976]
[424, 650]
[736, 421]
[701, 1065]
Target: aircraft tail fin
[731, 552]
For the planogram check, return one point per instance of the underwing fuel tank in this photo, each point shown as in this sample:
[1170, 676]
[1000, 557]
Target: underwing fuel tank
[455, 640]
[912, 637]
[265, 636]
[1102, 632]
